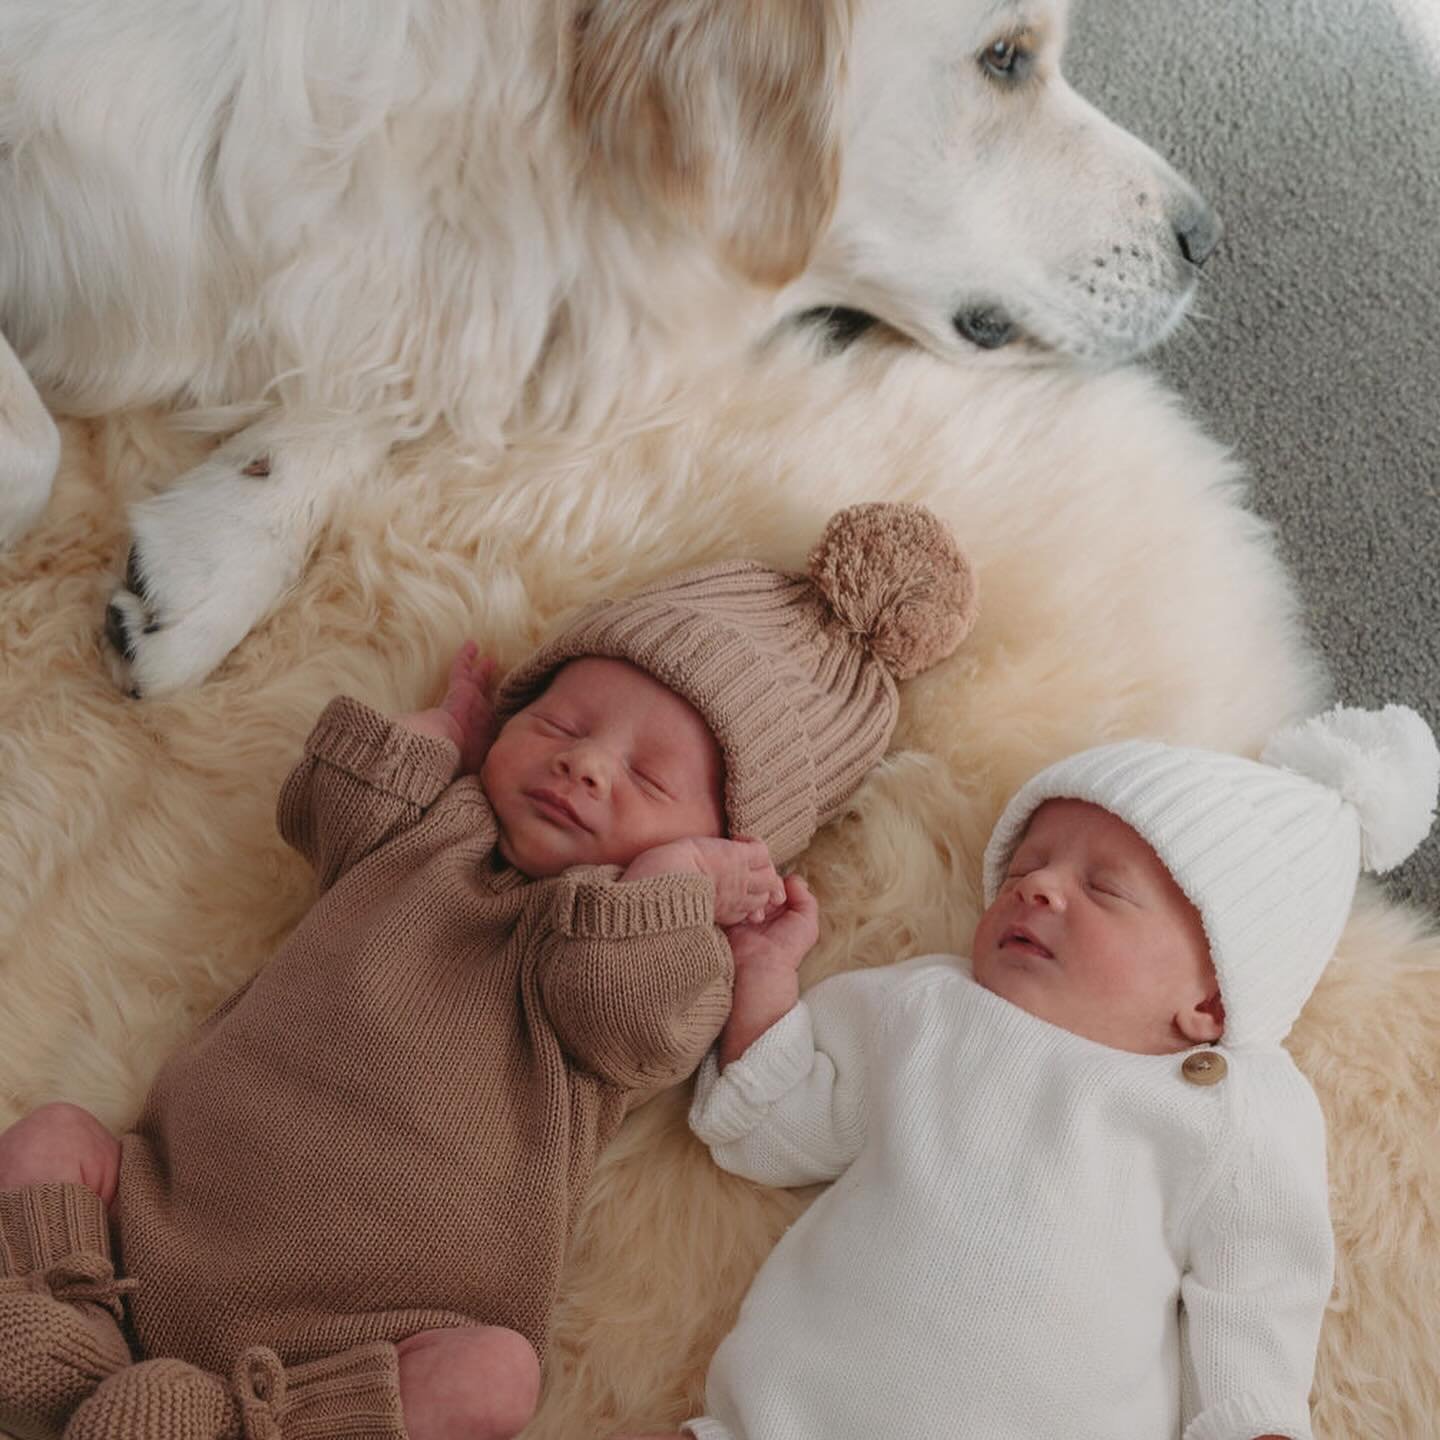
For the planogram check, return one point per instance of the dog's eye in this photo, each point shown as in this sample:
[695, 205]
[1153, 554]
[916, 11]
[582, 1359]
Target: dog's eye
[1005, 59]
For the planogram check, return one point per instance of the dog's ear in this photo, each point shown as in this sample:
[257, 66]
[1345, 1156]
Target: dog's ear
[723, 110]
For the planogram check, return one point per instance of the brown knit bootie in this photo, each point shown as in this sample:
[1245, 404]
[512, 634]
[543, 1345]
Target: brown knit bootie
[60, 1309]
[352, 1396]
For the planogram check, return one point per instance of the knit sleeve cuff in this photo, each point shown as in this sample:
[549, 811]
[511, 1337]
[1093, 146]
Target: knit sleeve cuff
[592, 901]
[381, 753]
[1243, 1417]
[41, 1225]
[729, 1104]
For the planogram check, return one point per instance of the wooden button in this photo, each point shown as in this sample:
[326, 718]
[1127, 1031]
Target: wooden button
[1204, 1067]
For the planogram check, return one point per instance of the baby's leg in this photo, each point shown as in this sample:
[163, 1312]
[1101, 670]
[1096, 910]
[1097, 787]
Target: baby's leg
[471, 1384]
[60, 1306]
[480, 1383]
[60, 1144]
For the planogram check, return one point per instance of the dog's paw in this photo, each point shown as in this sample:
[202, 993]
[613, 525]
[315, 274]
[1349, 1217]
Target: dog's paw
[208, 559]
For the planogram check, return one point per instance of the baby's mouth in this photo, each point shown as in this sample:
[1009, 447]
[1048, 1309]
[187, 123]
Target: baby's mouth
[557, 807]
[1017, 937]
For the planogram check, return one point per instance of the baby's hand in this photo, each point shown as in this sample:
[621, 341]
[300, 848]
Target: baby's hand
[466, 716]
[747, 886]
[780, 940]
[467, 702]
[767, 958]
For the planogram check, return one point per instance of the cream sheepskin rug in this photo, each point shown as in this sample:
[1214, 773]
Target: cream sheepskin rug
[1124, 589]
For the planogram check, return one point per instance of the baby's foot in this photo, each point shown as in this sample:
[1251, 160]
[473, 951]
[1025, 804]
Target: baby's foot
[481, 1383]
[158, 1398]
[59, 1340]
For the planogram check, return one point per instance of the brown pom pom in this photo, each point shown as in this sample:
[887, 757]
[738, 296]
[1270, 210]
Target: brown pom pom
[894, 575]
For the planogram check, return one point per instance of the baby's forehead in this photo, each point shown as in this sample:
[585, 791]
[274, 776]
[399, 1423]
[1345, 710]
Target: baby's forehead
[1080, 827]
[598, 678]
[601, 687]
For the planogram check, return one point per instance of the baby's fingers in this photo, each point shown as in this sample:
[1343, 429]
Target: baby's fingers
[800, 898]
[794, 898]
[469, 663]
[764, 893]
[797, 927]
[800, 901]
[763, 874]
[464, 658]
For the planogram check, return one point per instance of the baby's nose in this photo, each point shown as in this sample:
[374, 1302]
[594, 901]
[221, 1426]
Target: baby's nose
[1041, 889]
[586, 765]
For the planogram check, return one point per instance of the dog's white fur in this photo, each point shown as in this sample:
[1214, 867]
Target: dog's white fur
[334, 226]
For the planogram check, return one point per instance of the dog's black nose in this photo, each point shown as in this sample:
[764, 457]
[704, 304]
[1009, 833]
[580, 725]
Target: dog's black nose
[1198, 229]
[986, 326]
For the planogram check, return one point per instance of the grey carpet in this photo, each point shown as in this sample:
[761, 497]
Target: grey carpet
[1314, 127]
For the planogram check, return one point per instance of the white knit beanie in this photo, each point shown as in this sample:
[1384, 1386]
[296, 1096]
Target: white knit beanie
[1267, 851]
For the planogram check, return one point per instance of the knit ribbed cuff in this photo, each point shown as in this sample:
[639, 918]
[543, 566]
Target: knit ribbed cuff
[378, 751]
[593, 902]
[354, 1393]
[1243, 1417]
[42, 1224]
[728, 1105]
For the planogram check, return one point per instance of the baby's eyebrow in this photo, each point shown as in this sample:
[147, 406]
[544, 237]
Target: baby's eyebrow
[561, 704]
[658, 746]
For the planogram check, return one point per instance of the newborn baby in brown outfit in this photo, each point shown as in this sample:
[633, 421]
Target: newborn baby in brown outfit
[344, 1207]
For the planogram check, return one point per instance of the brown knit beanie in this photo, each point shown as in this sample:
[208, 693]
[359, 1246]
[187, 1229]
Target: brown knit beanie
[795, 674]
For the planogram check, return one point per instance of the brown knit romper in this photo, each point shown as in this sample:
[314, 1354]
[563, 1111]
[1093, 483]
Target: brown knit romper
[390, 1127]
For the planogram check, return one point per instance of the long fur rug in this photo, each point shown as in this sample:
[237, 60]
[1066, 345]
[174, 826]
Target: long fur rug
[1124, 589]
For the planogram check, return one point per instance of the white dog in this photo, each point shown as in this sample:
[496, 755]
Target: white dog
[331, 226]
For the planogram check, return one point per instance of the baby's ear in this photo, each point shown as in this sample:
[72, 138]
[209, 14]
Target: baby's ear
[1204, 1022]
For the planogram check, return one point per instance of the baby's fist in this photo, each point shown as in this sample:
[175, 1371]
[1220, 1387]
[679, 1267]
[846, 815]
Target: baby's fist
[747, 885]
[781, 939]
[767, 955]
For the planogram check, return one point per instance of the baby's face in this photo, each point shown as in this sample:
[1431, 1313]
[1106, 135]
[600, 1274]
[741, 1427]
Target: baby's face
[1090, 932]
[607, 763]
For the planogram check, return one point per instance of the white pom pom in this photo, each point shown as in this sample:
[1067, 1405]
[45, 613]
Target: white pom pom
[1384, 762]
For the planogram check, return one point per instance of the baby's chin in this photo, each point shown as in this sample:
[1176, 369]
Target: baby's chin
[1024, 981]
[533, 862]
[545, 862]
[1017, 977]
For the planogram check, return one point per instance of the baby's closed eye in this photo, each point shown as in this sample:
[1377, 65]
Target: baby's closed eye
[1114, 888]
[651, 782]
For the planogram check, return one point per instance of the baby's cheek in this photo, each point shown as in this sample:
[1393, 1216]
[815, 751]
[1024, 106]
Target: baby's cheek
[986, 934]
[1121, 971]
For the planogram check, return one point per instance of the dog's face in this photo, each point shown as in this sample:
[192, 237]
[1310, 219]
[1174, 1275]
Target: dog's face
[922, 161]
[983, 204]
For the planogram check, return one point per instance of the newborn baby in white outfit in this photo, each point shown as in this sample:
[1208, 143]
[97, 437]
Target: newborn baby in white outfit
[1080, 1186]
